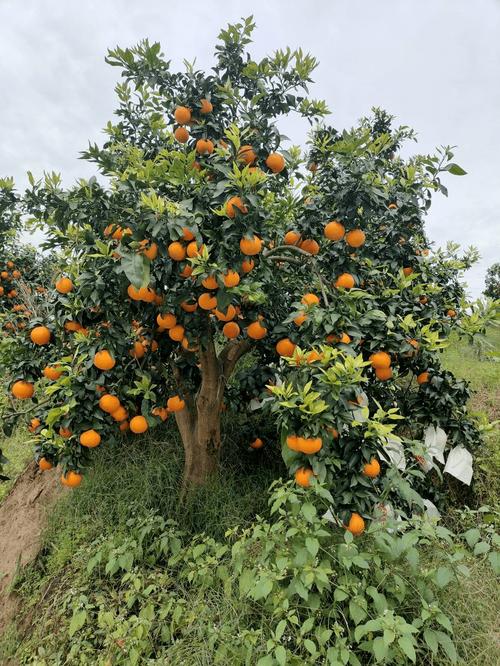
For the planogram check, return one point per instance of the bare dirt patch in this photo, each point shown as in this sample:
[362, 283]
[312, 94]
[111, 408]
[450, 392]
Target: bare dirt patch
[22, 519]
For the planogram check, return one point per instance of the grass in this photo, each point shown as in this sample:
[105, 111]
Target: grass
[18, 452]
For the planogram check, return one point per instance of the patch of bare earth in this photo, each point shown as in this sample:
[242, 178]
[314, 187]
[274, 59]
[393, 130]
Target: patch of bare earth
[22, 519]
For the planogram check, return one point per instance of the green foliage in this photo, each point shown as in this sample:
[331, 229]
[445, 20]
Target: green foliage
[492, 282]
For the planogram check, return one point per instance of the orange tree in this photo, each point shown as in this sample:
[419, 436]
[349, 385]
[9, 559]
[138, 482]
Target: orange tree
[204, 242]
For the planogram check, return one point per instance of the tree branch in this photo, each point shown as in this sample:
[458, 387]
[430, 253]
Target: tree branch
[292, 260]
[231, 354]
[290, 248]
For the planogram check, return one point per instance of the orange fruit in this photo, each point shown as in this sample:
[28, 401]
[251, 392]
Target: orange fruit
[52, 372]
[257, 443]
[309, 445]
[247, 154]
[186, 271]
[251, 246]
[148, 249]
[90, 439]
[423, 299]
[247, 265]
[181, 134]
[300, 319]
[65, 433]
[147, 295]
[380, 360]
[206, 106]
[109, 403]
[372, 469]
[188, 306]
[176, 251]
[10, 264]
[310, 246]
[138, 425]
[228, 315]
[423, 378]
[71, 479]
[45, 464]
[235, 203]
[314, 356]
[16, 274]
[451, 313]
[103, 360]
[40, 335]
[256, 331]
[356, 524]
[285, 347]
[383, 374]
[392, 206]
[303, 476]
[193, 250]
[346, 281]
[72, 326]
[204, 147]
[175, 404]
[176, 333]
[64, 285]
[167, 320]
[309, 299]
[407, 271]
[182, 115]
[133, 293]
[210, 282]
[120, 414]
[207, 302]
[34, 424]
[161, 412]
[355, 238]
[22, 390]
[334, 230]
[187, 234]
[231, 279]
[291, 238]
[185, 345]
[275, 162]
[231, 330]
[124, 426]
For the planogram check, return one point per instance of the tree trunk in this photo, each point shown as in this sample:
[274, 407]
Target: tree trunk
[199, 421]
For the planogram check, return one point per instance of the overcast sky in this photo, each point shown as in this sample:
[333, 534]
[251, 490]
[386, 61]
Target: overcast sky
[434, 64]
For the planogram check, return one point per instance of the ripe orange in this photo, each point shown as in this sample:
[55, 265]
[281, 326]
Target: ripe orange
[71, 479]
[285, 347]
[303, 476]
[256, 331]
[10, 264]
[334, 230]
[309, 299]
[176, 251]
[310, 246]
[205, 106]
[161, 412]
[392, 206]
[182, 115]
[356, 524]
[188, 306]
[193, 250]
[167, 320]
[185, 345]
[380, 360]
[300, 319]
[355, 238]
[16, 274]
[124, 426]
[210, 282]
[275, 162]
[186, 271]
[372, 469]
[407, 271]
[451, 313]
[109, 403]
[187, 234]
[231, 279]
[45, 464]
[346, 281]
[207, 302]
[204, 147]
[64, 285]
[175, 404]
[149, 249]
[40, 335]
[313, 356]
[228, 315]
[251, 246]
[176, 333]
[383, 374]
[231, 330]
[257, 443]
[52, 372]
[120, 414]
[72, 326]
[181, 134]
[247, 154]
[103, 360]
[90, 439]
[65, 433]
[292, 238]
[235, 203]
[247, 265]
[423, 299]
[34, 424]
[22, 390]
[138, 425]
[423, 378]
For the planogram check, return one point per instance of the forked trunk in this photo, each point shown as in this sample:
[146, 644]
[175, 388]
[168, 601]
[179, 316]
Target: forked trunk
[199, 421]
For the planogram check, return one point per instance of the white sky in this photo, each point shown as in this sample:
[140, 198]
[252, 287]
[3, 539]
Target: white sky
[434, 64]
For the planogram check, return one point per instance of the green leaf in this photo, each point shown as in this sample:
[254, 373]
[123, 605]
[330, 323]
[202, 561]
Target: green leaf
[280, 655]
[308, 510]
[407, 645]
[137, 269]
[472, 536]
[455, 169]
[443, 576]
[280, 629]
[262, 589]
[380, 649]
[494, 560]
[447, 645]
[312, 546]
[356, 611]
[310, 646]
[77, 621]
[431, 640]
[481, 548]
